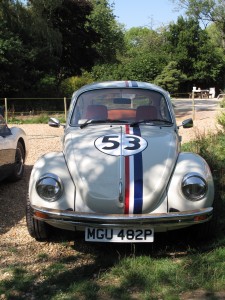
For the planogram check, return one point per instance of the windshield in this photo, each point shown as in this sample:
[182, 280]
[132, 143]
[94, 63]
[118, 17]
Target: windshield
[122, 105]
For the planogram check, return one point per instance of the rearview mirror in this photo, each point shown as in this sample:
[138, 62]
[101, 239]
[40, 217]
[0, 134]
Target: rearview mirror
[187, 123]
[53, 122]
[121, 101]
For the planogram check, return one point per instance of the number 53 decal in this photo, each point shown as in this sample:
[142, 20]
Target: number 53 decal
[115, 144]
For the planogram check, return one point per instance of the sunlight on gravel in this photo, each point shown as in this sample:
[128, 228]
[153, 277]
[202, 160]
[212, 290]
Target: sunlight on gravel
[42, 139]
[204, 123]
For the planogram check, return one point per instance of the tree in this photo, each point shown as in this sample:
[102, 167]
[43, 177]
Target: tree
[145, 55]
[189, 45]
[11, 62]
[67, 20]
[87, 29]
[170, 78]
[13, 54]
[27, 54]
[207, 12]
[110, 32]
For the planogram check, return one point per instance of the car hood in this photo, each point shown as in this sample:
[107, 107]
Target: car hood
[121, 169]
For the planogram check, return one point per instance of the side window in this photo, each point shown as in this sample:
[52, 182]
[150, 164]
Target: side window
[164, 109]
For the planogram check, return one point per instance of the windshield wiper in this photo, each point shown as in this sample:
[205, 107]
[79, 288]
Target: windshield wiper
[88, 122]
[150, 121]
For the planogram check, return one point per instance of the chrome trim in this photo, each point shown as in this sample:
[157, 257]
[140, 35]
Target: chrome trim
[121, 200]
[57, 180]
[174, 219]
[193, 175]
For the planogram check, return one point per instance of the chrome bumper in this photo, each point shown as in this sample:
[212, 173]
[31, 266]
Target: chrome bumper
[166, 220]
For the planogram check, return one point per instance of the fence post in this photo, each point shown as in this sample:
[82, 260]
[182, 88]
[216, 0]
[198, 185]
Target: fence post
[193, 105]
[65, 108]
[6, 111]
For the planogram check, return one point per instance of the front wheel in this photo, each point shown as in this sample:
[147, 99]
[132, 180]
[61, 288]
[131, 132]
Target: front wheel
[36, 228]
[18, 168]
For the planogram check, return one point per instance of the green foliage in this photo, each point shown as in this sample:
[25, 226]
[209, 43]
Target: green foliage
[221, 116]
[43, 118]
[141, 67]
[11, 61]
[165, 277]
[70, 18]
[222, 102]
[145, 57]
[104, 72]
[206, 12]
[144, 66]
[159, 274]
[46, 87]
[190, 47]
[43, 42]
[110, 32]
[42, 39]
[170, 78]
[212, 148]
[215, 36]
[71, 84]
[25, 52]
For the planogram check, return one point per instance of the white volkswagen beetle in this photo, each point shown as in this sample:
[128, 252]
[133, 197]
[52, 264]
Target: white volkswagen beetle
[120, 176]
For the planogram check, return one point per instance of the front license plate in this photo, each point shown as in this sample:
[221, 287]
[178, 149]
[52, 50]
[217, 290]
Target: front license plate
[113, 235]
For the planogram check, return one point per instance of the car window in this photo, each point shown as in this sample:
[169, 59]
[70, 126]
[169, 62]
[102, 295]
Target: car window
[120, 104]
[4, 130]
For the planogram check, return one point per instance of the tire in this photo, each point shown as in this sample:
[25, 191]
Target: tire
[36, 228]
[18, 168]
[208, 230]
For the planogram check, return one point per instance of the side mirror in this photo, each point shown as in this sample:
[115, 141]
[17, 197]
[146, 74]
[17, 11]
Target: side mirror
[187, 123]
[53, 122]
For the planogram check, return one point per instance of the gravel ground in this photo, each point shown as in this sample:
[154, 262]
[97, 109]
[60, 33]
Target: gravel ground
[16, 246]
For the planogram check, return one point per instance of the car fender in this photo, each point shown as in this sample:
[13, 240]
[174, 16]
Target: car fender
[13, 138]
[53, 162]
[189, 163]
[18, 134]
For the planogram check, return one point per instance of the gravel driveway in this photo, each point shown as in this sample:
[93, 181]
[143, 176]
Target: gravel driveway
[15, 243]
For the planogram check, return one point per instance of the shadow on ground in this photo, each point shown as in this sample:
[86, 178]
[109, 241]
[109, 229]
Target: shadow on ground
[13, 201]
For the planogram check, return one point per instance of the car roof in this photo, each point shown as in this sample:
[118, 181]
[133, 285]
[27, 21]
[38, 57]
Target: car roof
[120, 84]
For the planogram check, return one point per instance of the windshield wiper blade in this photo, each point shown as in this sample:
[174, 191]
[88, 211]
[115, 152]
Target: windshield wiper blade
[88, 122]
[150, 121]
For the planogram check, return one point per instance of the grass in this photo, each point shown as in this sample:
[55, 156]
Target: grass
[39, 119]
[116, 273]
[154, 278]
[222, 102]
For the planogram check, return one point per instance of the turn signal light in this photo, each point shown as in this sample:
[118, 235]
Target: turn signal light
[40, 215]
[200, 218]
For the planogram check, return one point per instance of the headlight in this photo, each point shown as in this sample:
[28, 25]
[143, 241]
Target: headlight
[49, 187]
[194, 187]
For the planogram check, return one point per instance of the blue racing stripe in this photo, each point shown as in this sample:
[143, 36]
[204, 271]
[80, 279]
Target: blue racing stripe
[134, 84]
[138, 178]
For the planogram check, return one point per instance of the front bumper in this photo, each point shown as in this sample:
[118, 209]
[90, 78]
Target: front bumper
[165, 220]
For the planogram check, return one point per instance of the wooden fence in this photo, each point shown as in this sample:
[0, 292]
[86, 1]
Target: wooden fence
[6, 101]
